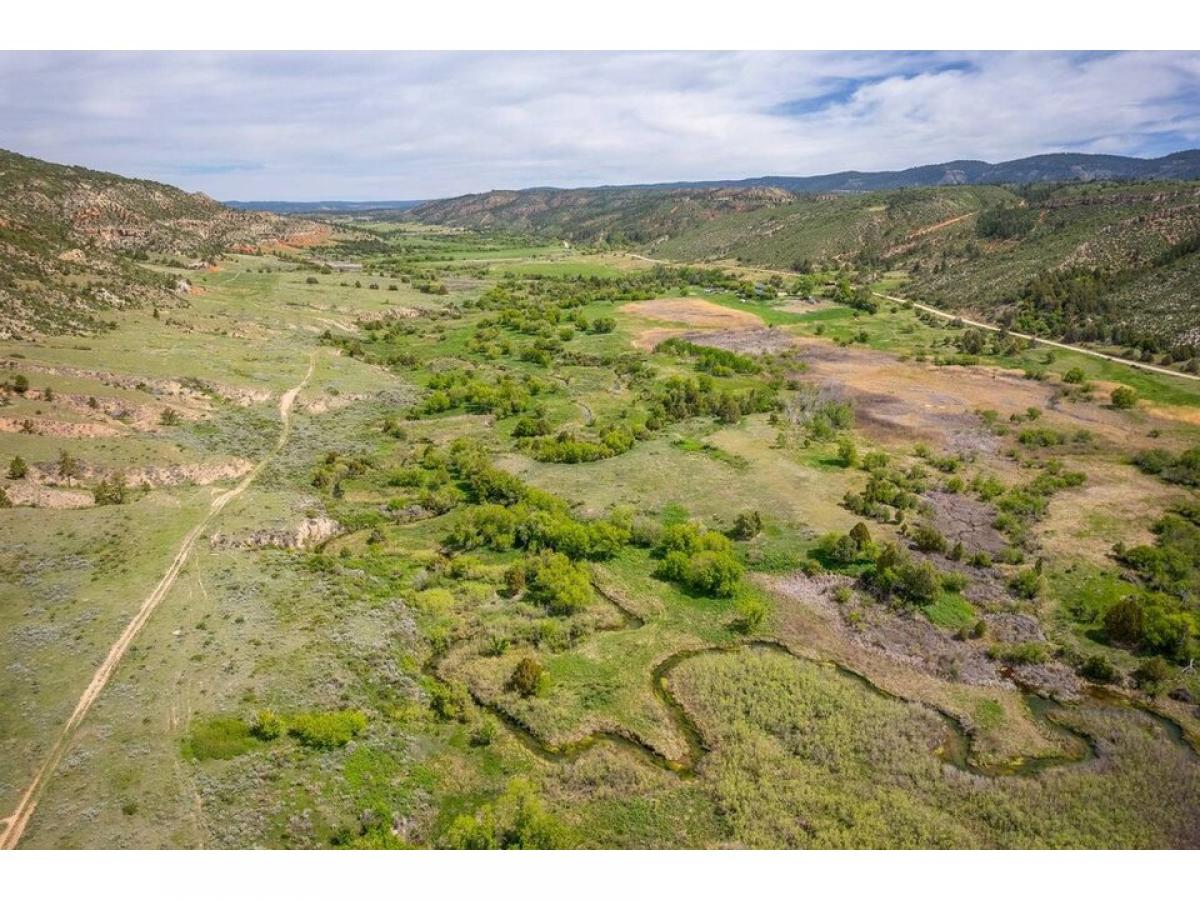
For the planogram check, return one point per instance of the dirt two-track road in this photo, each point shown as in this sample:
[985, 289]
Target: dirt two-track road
[15, 824]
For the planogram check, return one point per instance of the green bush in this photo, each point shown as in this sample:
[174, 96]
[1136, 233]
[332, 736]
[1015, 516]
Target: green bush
[526, 678]
[517, 820]
[557, 583]
[1124, 398]
[327, 730]
[268, 725]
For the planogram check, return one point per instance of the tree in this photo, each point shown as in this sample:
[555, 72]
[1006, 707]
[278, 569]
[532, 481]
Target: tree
[714, 572]
[526, 678]
[17, 468]
[68, 467]
[1124, 398]
[861, 535]
[20, 384]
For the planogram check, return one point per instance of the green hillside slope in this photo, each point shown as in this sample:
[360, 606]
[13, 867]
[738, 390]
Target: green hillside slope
[71, 240]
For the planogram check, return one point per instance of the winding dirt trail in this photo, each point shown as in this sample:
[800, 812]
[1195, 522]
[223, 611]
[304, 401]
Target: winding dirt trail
[15, 824]
[1133, 364]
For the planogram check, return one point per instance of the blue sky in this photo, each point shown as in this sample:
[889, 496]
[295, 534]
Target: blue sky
[299, 126]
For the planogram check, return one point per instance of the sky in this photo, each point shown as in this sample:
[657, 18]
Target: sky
[409, 126]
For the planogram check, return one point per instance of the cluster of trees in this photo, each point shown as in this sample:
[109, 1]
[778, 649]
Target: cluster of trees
[701, 560]
[565, 447]
[894, 574]
[890, 491]
[712, 360]
[535, 524]
[1181, 469]
[676, 399]
[1005, 222]
[1163, 616]
[112, 490]
[502, 396]
[517, 820]
[857, 298]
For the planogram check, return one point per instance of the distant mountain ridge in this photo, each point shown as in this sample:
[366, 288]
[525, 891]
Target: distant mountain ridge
[1046, 167]
[309, 207]
[644, 214]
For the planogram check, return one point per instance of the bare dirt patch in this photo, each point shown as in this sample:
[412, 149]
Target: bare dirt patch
[750, 341]
[30, 493]
[55, 428]
[964, 519]
[692, 311]
[308, 533]
[901, 402]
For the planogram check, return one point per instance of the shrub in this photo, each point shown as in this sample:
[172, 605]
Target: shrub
[1026, 584]
[555, 582]
[327, 730]
[450, 701]
[746, 526]
[750, 611]
[1098, 669]
[1074, 375]
[268, 725]
[526, 678]
[168, 417]
[1028, 653]
[928, 539]
[1123, 621]
[1124, 398]
[17, 468]
[516, 821]
[483, 733]
[1152, 675]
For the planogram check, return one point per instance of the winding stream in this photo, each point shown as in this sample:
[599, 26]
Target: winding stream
[955, 750]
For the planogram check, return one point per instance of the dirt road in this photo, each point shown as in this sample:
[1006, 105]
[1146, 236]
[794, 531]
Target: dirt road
[1133, 364]
[15, 824]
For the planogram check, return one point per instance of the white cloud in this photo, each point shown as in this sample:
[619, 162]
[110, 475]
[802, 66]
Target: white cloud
[383, 126]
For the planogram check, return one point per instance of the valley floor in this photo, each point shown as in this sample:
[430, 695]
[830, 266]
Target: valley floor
[393, 566]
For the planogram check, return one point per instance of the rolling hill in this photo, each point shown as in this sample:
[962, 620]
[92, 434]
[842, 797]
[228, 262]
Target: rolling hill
[1092, 248]
[72, 240]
